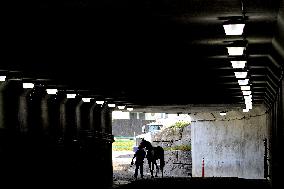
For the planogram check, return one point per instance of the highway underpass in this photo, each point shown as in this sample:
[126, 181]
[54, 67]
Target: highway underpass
[152, 56]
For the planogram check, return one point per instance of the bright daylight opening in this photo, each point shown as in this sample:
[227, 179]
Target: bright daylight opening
[129, 128]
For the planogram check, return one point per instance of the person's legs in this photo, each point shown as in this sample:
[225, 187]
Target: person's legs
[136, 170]
[141, 170]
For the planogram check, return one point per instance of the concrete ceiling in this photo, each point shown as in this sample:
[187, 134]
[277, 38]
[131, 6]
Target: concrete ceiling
[145, 53]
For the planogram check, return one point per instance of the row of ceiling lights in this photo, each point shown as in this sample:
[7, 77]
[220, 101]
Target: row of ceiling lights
[236, 28]
[72, 95]
[239, 66]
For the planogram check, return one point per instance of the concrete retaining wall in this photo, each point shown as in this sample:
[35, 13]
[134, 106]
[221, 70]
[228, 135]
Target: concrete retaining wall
[232, 146]
[177, 162]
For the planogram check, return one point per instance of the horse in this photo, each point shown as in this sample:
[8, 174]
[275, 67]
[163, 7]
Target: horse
[154, 154]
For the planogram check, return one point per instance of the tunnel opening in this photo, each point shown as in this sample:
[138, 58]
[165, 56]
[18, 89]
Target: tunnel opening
[224, 143]
[168, 131]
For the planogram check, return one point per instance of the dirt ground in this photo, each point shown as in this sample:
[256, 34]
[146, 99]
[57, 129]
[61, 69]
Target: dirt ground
[122, 170]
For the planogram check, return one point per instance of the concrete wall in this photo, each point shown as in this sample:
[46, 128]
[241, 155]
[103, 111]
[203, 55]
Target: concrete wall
[232, 146]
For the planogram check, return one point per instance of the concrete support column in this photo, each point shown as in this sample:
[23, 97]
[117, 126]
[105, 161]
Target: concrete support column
[68, 119]
[95, 118]
[34, 144]
[3, 124]
[9, 134]
[51, 117]
[107, 145]
[68, 123]
[53, 133]
[84, 121]
[107, 120]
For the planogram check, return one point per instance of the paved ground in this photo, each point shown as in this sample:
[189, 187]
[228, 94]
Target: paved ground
[123, 178]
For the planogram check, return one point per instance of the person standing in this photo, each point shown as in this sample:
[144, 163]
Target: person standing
[139, 155]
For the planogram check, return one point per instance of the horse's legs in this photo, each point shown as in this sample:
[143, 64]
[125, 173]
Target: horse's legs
[157, 168]
[152, 173]
[150, 167]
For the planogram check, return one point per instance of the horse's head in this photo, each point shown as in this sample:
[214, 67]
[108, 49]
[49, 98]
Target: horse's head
[146, 144]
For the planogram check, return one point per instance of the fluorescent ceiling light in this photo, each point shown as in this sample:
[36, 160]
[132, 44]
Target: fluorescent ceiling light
[111, 105]
[234, 29]
[241, 74]
[99, 102]
[238, 64]
[51, 91]
[121, 107]
[223, 113]
[86, 99]
[2, 78]
[129, 109]
[28, 85]
[248, 97]
[245, 88]
[248, 102]
[243, 81]
[249, 106]
[235, 50]
[71, 95]
[246, 92]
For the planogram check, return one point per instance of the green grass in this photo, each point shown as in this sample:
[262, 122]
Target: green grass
[123, 144]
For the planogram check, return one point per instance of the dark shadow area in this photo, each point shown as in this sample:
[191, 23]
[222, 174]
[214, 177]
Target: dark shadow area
[200, 183]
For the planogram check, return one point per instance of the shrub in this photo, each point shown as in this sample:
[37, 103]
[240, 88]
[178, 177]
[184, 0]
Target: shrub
[180, 124]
